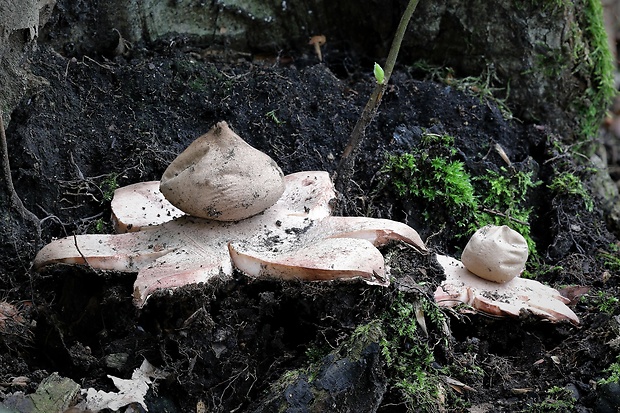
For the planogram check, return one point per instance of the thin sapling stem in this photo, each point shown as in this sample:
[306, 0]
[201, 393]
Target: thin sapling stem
[346, 167]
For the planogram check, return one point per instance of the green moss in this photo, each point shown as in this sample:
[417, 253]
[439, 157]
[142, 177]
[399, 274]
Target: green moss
[453, 183]
[568, 183]
[505, 198]
[611, 258]
[605, 302]
[407, 352]
[551, 63]
[601, 301]
[358, 341]
[100, 226]
[557, 400]
[614, 373]
[108, 186]
[432, 176]
[595, 63]
[536, 268]
[272, 115]
[442, 188]
[315, 354]
[584, 58]
[352, 350]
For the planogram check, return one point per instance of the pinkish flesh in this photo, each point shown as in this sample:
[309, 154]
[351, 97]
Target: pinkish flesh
[295, 238]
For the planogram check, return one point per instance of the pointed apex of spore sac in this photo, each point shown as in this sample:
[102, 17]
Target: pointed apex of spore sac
[220, 177]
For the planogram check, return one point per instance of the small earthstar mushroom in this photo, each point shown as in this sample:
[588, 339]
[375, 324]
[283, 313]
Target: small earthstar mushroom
[496, 253]
[513, 298]
[220, 177]
[488, 279]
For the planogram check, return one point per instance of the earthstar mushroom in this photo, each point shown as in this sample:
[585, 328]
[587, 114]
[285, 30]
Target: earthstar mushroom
[295, 238]
[488, 279]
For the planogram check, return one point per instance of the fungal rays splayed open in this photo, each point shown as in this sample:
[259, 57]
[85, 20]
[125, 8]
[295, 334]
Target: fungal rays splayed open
[295, 238]
[222, 204]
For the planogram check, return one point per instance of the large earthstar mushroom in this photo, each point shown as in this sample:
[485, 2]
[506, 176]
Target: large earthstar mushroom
[239, 225]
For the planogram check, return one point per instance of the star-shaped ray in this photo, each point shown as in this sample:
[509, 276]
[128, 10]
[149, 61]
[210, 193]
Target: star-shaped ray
[296, 238]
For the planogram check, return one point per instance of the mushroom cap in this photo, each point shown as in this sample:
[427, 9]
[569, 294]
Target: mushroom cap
[319, 39]
[496, 253]
[220, 177]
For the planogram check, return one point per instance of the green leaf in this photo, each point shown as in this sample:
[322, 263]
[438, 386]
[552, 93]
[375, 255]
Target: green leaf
[379, 73]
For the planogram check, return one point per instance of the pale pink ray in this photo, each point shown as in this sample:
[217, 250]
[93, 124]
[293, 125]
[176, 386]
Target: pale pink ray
[328, 259]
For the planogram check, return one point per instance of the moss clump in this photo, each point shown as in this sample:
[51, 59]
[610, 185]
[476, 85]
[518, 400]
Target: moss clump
[593, 61]
[408, 355]
[613, 371]
[568, 183]
[557, 400]
[109, 185]
[351, 358]
[432, 178]
[579, 70]
[436, 180]
[438, 184]
[605, 302]
[505, 198]
[611, 258]
[585, 58]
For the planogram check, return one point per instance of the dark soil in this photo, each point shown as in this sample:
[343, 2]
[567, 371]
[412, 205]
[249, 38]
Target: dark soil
[102, 122]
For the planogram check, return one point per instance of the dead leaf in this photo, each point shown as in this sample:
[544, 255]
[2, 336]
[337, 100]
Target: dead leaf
[130, 390]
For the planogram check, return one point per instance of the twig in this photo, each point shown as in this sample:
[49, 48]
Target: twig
[347, 162]
[15, 201]
[80, 252]
[6, 169]
[108, 67]
[8, 189]
[501, 214]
